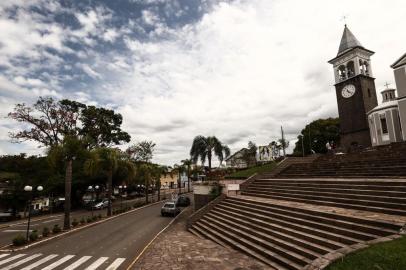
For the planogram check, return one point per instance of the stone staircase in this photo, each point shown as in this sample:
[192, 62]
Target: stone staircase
[381, 196]
[283, 235]
[382, 162]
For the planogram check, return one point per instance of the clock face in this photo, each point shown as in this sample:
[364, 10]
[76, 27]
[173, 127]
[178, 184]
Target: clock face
[348, 91]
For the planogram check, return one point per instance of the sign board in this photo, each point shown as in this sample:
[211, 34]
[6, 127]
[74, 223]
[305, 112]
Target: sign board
[233, 187]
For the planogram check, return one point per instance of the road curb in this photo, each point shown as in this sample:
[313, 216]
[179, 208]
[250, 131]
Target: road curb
[153, 239]
[77, 229]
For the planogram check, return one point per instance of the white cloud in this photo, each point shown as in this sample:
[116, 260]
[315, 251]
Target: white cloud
[240, 72]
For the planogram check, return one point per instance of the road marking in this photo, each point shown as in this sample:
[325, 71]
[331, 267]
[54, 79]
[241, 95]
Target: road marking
[3, 255]
[78, 262]
[97, 263]
[16, 231]
[48, 221]
[115, 264]
[59, 262]
[11, 258]
[47, 258]
[22, 261]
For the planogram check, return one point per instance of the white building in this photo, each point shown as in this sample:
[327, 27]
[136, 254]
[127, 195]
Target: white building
[387, 121]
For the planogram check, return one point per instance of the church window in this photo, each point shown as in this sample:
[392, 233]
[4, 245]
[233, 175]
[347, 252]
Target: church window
[369, 92]
[350, 69]
[384, 125]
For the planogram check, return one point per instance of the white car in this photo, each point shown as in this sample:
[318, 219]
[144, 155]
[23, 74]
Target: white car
[103, 204]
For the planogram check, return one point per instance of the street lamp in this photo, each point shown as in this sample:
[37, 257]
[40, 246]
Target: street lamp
[29, 189]
[121, 189]
[92, 190]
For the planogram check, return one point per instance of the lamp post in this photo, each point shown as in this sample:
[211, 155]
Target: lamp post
[92, 190]
[29, 189]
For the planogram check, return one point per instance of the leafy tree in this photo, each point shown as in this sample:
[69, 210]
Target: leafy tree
[317, 134]
[145, 173]
[60, 125]
[205, 147]
[157, 172]
[142, 151]
[225, 153]
[107, 161]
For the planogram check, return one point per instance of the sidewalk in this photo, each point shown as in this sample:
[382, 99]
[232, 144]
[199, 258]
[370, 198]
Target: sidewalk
[179, 249]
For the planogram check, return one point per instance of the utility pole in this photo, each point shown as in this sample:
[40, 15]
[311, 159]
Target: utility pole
[283, 142]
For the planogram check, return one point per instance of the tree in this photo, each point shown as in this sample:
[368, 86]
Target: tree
[317, 134]
[225, 153]
[187, 163]
[205, 147]
[146, 172]
[53, 121]
[157, 172]
[142, 151]
[68, 150]
[179, 169]
[107, 161]
[283, 144]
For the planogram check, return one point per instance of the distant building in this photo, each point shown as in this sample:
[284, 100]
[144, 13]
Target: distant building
[170, 180]
[387, 121]
[239, 159]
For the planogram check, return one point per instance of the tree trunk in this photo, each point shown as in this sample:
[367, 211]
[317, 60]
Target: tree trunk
[159, 191]
[188, 180]
[110, 191]
[209, 158]
[179, 183]
[146, 189]
[68, 187]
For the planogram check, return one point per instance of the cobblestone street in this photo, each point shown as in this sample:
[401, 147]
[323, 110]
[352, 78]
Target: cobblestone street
[177, 248]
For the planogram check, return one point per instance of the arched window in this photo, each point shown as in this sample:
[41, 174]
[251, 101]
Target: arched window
[366, 65]
[350, 69]
[342, 72]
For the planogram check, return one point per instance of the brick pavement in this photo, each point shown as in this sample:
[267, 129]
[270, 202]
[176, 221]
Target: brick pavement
[177, 249]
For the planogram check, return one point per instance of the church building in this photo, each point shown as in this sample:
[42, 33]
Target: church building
[363, 122]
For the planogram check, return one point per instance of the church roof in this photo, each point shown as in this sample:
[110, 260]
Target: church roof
[400, 62]
[348, 41]
[384, 105]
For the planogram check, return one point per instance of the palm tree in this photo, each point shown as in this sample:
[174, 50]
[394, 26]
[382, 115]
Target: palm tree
[187, 163]
[68, 150]
[157, 172]
[107, 161]
[179, 169]
[145, 172]
[225, 153]
[205, 147]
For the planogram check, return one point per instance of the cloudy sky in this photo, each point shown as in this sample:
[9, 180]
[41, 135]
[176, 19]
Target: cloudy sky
[179, 68]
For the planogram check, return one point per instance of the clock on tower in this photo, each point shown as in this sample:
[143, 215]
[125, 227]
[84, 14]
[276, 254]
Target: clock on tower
[355, 90]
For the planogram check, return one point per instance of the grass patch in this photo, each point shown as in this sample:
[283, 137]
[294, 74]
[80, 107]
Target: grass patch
[243, 174]
[383, 256]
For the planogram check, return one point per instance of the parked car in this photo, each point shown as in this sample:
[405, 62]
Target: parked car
[183, 201]
[170, 209]
[101, 205]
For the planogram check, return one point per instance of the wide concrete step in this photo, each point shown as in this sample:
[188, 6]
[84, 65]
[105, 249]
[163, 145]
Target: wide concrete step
[380, 190]
[296, 224]
[374, 228]
[303, 220]
[349, 182]
[383, 202]
[328, 202]
[278, 262]
[218, 237]
[278, 247]
[396, 198]
[254, 227]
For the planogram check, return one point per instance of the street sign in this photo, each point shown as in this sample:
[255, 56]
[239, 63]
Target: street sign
[233, 187]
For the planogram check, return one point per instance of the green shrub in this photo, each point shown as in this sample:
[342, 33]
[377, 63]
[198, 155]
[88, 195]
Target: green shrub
[89, 219]
[19, 240]
[94, 218]
[56, 229]
[45, 231]
[33, 236]
[99, 216]
[75, 222]
[82, 220]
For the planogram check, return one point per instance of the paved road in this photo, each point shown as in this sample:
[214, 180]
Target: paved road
[109, 245]
[38, 223]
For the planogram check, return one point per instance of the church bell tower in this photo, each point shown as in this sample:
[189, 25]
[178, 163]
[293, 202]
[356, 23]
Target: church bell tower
[355, 90]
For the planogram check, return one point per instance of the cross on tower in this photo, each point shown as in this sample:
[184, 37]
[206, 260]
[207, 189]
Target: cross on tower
[344, 19]
[387, 85]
